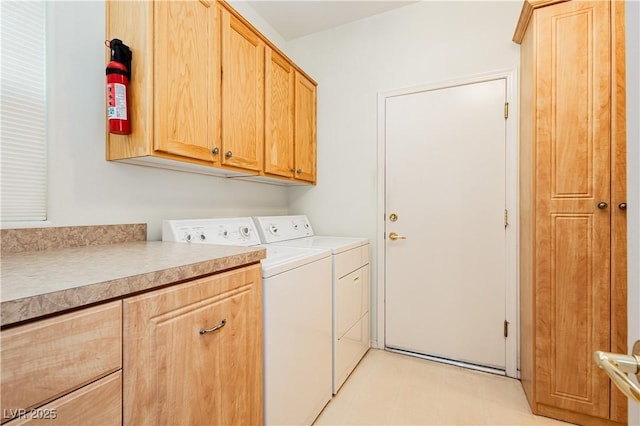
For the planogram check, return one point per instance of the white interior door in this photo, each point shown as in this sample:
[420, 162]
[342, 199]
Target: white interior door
[445, 283]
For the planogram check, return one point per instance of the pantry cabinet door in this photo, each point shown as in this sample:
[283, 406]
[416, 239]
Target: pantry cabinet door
[242, 95]
[573, 181]
[186, 78]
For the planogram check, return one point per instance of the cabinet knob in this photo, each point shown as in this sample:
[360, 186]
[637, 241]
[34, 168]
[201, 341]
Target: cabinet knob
[622, 206]
[299, 171]
[229, 154]
[292, 170]
[215, 151]
[602, 205]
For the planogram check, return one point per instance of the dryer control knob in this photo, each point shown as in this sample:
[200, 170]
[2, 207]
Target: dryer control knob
[273, 229]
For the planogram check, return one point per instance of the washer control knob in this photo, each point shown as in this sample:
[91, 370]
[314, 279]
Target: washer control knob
[273, 229]
[245, 231]
[188, 238]
[203, 237]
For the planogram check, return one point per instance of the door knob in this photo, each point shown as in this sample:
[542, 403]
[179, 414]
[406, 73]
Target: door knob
[622, 206]
[602, 205]
[393, 236]
[618, 366]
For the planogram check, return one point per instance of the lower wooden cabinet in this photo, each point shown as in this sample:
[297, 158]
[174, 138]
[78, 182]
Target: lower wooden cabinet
[193, 352]
[186, 354]
[44, 361]
[97, 404]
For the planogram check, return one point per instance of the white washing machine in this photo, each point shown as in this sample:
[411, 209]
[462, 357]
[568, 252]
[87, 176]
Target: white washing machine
[297, 317]
[351, 286]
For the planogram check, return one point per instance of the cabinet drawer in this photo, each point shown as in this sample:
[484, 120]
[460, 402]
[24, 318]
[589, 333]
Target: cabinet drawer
[97, 404]
[350, 260]
[48, 358]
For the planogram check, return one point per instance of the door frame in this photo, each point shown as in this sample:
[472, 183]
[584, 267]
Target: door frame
[511, 194]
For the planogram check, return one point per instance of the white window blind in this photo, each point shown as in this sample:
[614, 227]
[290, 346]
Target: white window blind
[23, 137]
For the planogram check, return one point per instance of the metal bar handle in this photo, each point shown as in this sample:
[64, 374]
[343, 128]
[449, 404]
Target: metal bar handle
[214, 328]
[617, 367]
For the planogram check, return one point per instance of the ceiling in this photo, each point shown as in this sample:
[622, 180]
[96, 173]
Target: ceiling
[297, 18]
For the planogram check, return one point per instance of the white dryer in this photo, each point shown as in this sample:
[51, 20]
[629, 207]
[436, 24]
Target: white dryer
[351, 285]
[297, 317]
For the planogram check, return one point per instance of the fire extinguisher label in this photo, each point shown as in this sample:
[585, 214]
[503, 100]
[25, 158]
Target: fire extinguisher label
[117, 101]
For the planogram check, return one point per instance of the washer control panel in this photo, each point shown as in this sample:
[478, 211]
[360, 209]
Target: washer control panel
[273, 229]
[237, 231]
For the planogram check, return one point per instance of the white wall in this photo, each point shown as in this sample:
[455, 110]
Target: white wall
[86, 189]
[633, 178]
[250, 14]
[421, 43]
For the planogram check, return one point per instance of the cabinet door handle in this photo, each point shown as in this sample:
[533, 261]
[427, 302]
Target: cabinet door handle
[215, 151]
[602, 205]
[622, 206]
[229, 154]
[299, 171]
[214, 328]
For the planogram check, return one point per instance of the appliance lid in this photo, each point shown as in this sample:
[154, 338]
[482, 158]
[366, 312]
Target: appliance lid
[282, 259]
[335, 244]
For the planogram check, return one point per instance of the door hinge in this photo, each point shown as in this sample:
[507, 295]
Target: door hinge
[506, 110]
[506, 218]
[506, 328]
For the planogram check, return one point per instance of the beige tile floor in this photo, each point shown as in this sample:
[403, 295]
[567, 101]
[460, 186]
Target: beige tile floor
[393, 389]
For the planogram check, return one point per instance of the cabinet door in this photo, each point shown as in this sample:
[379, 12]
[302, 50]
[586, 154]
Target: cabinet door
[186, 78]
[174, 373]
[305, 129]
[573, 179]
[242, 95]
[278, 144]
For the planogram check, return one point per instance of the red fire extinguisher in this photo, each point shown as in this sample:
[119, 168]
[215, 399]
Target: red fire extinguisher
[118, 77]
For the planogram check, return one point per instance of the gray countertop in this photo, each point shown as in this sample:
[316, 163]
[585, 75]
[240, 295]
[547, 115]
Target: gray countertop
[38, 283]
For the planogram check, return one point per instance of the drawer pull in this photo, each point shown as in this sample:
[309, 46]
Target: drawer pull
[214, 328]
[356, 279]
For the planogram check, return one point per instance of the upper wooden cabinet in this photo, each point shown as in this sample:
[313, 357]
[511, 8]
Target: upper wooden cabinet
[279, 99]
[305, 129]
[572, 182]
[174, 93]
[207, 90]
[186, 79]
[242, 94]
[290, 139]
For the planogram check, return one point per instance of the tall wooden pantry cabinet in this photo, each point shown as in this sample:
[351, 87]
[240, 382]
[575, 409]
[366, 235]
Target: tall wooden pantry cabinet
[572, 206]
